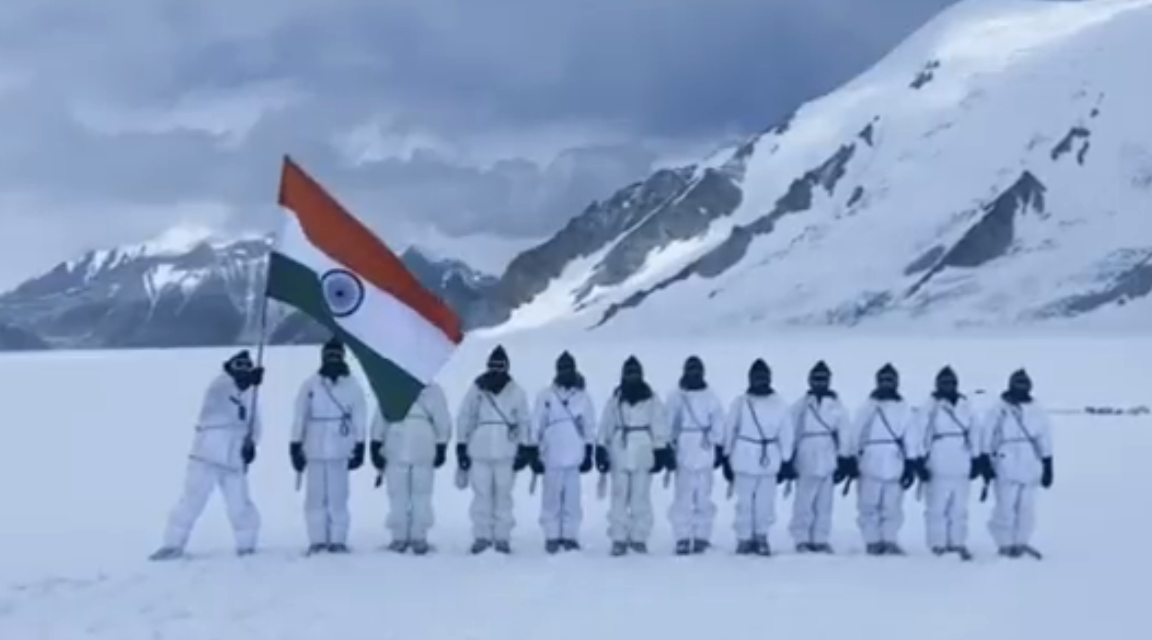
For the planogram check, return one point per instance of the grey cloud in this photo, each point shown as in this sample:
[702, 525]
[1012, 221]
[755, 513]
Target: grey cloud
[650, 76]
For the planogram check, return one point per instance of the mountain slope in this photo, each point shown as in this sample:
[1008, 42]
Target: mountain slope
[192, 292]
[995, 169]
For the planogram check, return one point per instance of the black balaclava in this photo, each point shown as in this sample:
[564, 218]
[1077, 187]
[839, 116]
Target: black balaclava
[820, 382]
[759, 379]
[692, 379]
[887, 384]
[496, 377]
[947, 386]
[633, 389]
[239, 367]
[1019, 388]
[567, 376]
[332, 363]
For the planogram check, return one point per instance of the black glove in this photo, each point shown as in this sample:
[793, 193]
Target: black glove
[525, 456]
[586, 465]
[248, 452]
[357, 459]
[908, 478]
[987, 471]
[922, 470]
[462, 459]
[718, 458]
[846, 469]
[787, 472]
[665, 460]
[729, 475]
[296, 451]
[441, 455]
[257, 376]
[603, 462]
[537, 466]
[975, 468]
[376, 450]
[1046, 477]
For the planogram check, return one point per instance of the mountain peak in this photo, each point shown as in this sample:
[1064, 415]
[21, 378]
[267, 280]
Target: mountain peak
[189, 287]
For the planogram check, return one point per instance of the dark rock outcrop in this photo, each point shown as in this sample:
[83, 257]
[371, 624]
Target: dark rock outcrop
[732, 250]
[992, 235]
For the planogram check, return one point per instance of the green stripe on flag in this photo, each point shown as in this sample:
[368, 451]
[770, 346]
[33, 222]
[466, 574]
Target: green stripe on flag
[298, 286]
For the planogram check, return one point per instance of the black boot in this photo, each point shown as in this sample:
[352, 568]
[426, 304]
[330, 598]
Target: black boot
[683, 547]
[337, 548]
[420, 547]
[762, 547]
[638, 547]
[480, 546]
[552, 546]
[700, 546]
[619, 548]
[398, 546]
[316, 548]
[745, 547]
[503, 546]
[570, 545]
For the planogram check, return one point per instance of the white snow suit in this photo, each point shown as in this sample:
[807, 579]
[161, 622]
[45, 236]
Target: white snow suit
[409, 451]
[563, 425]
[228, 417]
[330, 420]
[697, 428]
[1018, 438]
[632, 433]
[818, 427]
[882, 437]
[758, 432]
[950, 443]
[492, 426]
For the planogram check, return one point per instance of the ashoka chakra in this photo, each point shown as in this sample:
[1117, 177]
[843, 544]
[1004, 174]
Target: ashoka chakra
[343, 292]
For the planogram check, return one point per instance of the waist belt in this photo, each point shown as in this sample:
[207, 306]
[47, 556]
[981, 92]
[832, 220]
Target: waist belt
[870, 442]
[219, 427]
[765, 459]
[625, 429]
[943, 436]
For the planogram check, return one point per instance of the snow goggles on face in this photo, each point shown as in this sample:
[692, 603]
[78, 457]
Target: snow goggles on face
[240, 365]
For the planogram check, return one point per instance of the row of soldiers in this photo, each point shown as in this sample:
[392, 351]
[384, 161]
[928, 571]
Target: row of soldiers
[759, 443]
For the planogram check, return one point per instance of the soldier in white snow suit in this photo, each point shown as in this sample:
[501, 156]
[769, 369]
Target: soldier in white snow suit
[226, 436]
[697, 423]
[757, 445]
[951, 445]
[1017, 437]
[819, 422]
[633, 445]
[563, 427]
[327, 442]
[408, 453]
[491, 433]
[886, 448]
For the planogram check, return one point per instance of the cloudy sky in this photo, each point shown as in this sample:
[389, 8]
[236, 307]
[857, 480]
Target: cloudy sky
[121, 118]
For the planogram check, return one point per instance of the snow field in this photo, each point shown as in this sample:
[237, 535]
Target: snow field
[95, 454]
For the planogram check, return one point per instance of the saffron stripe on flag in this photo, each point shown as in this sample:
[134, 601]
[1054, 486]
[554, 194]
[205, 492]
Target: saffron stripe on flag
[347, 241]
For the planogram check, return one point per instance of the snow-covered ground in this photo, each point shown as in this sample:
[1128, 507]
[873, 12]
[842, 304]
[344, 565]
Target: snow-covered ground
[93, 457]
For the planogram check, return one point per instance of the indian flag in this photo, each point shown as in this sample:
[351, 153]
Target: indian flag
[327, 264]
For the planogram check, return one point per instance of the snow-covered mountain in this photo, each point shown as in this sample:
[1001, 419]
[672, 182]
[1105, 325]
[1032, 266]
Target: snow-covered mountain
[187, 290]
[993, 170]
